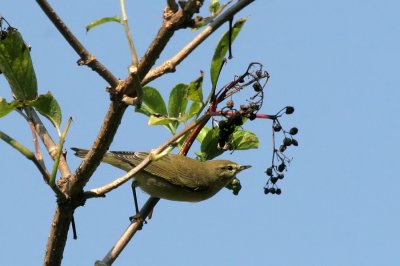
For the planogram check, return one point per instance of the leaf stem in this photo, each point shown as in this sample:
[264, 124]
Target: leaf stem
[59, 152]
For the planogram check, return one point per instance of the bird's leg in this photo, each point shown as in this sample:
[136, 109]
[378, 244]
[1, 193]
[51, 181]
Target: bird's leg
[134, 185]
[137, 216]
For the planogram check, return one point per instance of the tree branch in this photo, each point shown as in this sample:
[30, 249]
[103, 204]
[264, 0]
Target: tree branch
[170, 65]
[125, 23]
[47, 140]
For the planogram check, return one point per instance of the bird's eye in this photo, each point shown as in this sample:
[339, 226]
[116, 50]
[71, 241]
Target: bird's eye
[230, 168]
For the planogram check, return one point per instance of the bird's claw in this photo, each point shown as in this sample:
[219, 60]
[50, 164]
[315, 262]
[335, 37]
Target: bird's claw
[137, 218]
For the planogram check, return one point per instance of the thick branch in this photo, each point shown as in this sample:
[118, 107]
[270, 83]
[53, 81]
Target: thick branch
[58, 235]
[170, 65]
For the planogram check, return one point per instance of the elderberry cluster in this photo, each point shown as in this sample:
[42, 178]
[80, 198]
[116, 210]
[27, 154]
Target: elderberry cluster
[226, 129]
[279, 159]
[235, 118]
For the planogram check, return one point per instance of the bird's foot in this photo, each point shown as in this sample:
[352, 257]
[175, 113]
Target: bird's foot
[137, 218]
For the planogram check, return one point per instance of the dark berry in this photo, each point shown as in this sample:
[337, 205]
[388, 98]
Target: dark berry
[281, 176]
[295, 143]
[274, 179]
[272, 190]
[266, 190]
[282, 148]
[252, 116]
[259, 73]
[257, 87]
[281, 167]
[269, 171]
[287, 142]
[278, 191]
[289, 110]
[223, 124]
[237, 120]
[293, 131]
[277, 127]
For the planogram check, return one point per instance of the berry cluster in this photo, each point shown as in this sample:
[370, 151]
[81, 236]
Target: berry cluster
[279, 159]
[255, 78]
[226, 129]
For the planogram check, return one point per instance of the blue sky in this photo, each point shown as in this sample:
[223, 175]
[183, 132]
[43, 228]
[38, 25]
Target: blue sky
[336, 61]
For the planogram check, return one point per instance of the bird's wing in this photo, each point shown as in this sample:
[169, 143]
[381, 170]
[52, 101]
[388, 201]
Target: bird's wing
[175, 172]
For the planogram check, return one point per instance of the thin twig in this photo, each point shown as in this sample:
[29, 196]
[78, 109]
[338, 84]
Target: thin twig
[135, 61]
[47, 140]
[30, 156]
[169, 65]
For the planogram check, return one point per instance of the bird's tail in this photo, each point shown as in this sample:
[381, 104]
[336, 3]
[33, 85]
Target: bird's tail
[80, 152]
[109, 158]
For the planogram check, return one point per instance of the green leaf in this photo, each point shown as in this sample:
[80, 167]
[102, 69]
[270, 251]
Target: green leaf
[209, 145]
[5, 107]
[214, 7]
[240, 140]
[203, 132]
[177, 103]
[178, 99]
[102, 21]
[16, 65]
[195, 89]
[153, 103]
[244, 140]
[222, 48]
[47, 106]
[194, 109]
[156, 120]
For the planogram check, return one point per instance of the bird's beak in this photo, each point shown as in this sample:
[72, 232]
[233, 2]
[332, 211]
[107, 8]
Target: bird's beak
[243, 167]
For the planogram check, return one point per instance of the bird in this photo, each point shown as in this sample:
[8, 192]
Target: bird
[174, 177]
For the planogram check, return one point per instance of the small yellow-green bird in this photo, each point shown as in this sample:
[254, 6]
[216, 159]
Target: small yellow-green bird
[175, 177]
